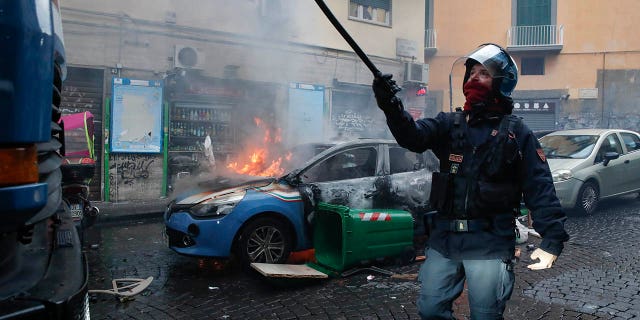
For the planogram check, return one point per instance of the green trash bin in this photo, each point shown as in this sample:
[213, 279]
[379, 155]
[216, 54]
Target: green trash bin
[345, 238]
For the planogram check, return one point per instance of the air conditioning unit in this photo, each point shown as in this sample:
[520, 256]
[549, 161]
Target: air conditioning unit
[188, 57]
[416, 72]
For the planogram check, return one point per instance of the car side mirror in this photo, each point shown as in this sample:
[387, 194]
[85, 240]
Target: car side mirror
[608, 156]
[293, 179]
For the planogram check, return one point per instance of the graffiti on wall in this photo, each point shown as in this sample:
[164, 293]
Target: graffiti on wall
[616, 103]
[358, 124]
[588, 120]
[75, 100]
[135, 176]
[132, 167]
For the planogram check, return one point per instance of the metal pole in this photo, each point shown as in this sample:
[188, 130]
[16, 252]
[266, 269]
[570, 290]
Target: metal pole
[347, 37]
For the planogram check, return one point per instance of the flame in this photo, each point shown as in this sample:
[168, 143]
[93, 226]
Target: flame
[259, 160]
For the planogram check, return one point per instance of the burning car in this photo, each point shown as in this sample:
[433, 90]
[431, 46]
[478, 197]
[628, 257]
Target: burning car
[265, 219]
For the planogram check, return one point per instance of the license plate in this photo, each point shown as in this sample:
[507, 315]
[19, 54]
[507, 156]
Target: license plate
[76, 211]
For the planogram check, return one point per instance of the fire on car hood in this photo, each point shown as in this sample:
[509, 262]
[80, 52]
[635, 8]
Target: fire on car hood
[219, 187]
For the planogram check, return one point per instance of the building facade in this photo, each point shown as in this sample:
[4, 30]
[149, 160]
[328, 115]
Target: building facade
[579, 60]
[224, 64]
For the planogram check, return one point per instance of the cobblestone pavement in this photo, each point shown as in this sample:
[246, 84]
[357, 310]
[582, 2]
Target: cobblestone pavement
[596, 278]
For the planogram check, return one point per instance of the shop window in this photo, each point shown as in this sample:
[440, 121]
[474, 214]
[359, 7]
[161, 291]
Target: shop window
[377, 11]
[532, 66]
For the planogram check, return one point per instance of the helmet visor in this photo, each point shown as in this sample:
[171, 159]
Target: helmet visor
[493, 58]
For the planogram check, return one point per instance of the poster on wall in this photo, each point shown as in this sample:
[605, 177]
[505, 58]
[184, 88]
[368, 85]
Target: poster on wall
[306, 107]
[136, 116]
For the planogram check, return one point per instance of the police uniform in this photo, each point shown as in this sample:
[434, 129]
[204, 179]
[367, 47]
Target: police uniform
[468, 152]
[489, 161]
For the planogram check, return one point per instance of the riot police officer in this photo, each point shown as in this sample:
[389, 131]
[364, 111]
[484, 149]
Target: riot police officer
[489, 161]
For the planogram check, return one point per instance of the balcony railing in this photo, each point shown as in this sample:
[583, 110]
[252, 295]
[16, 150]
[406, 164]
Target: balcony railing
[532, 37]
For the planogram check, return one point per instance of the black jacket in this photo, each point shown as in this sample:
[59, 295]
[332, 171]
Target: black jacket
[534, 179]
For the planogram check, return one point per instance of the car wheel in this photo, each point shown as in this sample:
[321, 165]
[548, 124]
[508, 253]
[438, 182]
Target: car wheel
[588, 198]
[265, 240]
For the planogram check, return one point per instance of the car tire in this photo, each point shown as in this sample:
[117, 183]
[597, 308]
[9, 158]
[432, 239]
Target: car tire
[588, 198]
[265, 240]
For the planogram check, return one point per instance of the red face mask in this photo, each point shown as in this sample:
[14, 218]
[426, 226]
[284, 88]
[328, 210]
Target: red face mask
[476, 93]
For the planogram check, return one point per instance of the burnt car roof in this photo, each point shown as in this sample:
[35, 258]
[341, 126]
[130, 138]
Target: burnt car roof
[339, 146]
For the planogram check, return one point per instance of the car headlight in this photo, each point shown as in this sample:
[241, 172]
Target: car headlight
[217, 208]
[561, 175]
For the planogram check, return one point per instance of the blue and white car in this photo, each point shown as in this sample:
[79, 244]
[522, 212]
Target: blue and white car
[264, 220]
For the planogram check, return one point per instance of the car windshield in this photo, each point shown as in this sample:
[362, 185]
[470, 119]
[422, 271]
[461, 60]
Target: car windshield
[568, 146]
[302, 153]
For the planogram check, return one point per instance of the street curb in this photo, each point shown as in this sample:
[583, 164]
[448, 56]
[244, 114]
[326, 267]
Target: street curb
[127, 211]
[108, 219]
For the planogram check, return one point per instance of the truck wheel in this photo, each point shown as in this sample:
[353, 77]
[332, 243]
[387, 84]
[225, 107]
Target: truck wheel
[265, 240]
[588, 198]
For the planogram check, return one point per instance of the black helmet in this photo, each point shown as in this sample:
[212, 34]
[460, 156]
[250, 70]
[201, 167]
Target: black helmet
[500, 65]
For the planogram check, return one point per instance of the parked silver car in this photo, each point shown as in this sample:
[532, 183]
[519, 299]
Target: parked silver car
[588, 165]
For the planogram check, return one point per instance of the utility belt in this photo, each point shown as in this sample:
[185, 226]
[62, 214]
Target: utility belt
[459, 225]
[502, 221]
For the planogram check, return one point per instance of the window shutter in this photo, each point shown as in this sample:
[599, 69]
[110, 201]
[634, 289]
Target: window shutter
[382, 4]
[534, 12]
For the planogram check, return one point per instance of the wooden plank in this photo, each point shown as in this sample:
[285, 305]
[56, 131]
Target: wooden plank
[271, 270]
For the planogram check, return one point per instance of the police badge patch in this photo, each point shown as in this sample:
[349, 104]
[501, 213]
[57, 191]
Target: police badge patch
[455, 158]
[541, 155]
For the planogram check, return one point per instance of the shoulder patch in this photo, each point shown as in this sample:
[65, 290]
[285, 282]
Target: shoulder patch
[455, 158]
[541, 155]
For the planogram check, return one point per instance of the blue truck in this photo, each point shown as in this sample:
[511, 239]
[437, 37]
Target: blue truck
[43, 272]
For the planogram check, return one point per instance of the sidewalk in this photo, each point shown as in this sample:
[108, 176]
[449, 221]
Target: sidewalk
[130, 210]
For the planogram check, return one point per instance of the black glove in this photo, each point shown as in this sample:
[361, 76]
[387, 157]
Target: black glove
[385, 90]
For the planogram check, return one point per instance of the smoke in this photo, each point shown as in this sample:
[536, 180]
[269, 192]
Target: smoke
[254, 63]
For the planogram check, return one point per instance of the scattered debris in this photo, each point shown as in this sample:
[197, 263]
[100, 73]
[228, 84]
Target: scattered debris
[371, 268]
[522, 234]
[125, 298]
[125, 288]
[370, 277]
[95, 246]
[407, 276]
[214, 288]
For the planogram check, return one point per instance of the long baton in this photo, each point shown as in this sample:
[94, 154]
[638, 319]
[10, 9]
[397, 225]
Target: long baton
[347, 37]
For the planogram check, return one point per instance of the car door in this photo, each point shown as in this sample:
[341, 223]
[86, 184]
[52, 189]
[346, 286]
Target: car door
[611, 176]
[410, 176]
[631, 160]
[347, 177]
